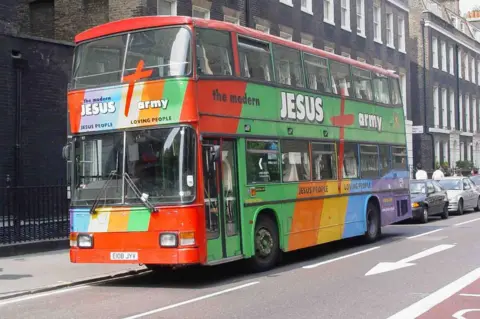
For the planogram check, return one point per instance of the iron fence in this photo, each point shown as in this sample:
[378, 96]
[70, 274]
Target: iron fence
[33, 213]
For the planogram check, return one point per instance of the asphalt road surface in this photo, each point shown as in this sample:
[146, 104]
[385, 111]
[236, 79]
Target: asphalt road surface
[416, 271]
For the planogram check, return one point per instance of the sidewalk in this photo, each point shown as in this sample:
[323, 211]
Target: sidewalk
[24, 273]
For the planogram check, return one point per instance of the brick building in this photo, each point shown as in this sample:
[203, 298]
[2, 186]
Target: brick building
[445, 81]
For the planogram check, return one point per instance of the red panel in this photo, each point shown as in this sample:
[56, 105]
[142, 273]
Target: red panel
[75, 101]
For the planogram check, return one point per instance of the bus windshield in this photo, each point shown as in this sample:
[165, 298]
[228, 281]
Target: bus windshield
[160, 162]
[105, 61]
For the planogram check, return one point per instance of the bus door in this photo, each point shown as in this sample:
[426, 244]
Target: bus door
[221, 200]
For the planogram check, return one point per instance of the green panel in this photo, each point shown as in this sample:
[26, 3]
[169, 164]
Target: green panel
[138, 220]
[175, 91]
[214, 249]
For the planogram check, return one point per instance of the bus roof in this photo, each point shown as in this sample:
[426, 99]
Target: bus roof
[144, 22]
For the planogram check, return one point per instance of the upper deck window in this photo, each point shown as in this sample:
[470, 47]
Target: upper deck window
[164, 51]
[214, 52]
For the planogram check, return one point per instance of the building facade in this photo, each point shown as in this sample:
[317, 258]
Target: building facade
[446, 83]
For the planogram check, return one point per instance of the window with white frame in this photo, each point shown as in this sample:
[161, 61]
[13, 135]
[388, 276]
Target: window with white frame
[434, 52]
[262, 28]
[437, 151]
[345, 14]
[361, 60]
[199, 12]
[377, 23]
[472, 69]
[474, 114]
[346, 55]
[403, 88]
[361, 17]
[234, 20]
[462, 151]
[328, 11]
[465, 68]
[469, 152]
[390, 30]
[167, 7]
[401, 33]
[451, 59]
[445, 152]
[460, 112]
[436, 110]
[444, 108]
[307, 42]
[287, 2]
[467, 113]
[329, 49]
[286, 35]
[452, 109]
[459, 58]
[443, 55]
[306, 6]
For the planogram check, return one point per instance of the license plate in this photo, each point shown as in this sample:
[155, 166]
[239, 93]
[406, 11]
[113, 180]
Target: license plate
[124, 256]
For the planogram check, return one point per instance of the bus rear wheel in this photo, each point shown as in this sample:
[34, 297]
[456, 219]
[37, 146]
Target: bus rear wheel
[266, 244]
[373, 231]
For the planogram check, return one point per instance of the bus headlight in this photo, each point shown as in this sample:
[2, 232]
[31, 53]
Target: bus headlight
[85, 241]
[168, 240]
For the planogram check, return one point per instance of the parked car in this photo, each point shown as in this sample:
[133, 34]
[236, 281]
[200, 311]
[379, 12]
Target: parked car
[475, 179]
[428, 199]
[462, 194]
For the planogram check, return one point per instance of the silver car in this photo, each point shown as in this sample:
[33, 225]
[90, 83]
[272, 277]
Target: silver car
[461, 193]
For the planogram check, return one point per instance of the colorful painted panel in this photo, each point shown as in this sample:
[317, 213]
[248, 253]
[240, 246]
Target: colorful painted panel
[108, 220]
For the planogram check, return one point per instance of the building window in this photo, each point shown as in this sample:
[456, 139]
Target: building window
[166, 7]
[307, 6]
[452, 109]
[403, 88]
[286, 36]
[474, 115]
[328, 11]
[443, 55]
[377, 23]
[262, 28]
[199, 12]
[472, 69]
[452, 61]
[436, 117]
[469, 152]
[329, 49]
[287, 2]
[390, 30]
[445, 152]
[444, 108]
[467, 113]
[361, 60]
[437, 151]
[465, 68]
[345, 14]
[462, 151]
[361, 17]
[231, 19]
[459, 57]
[346, 55]
[460, 112]
[434, 52]
[401, 33]
[307, 42]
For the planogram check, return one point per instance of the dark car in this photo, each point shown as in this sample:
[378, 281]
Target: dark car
[428, 199]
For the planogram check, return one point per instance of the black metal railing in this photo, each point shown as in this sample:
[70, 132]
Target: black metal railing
[33, 213]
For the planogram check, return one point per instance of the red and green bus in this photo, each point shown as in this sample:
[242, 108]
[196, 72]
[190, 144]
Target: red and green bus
[203, 142]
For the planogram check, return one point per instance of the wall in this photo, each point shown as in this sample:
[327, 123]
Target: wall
[44, 69]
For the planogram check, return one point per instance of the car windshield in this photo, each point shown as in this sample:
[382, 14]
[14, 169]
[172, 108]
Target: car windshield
[160, 162]
[451, 184]
[417, 188]
[164, 52]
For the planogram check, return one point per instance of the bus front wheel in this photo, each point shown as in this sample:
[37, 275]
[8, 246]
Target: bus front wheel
[266, 244]
[373, 231]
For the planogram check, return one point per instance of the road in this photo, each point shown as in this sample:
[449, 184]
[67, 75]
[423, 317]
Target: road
[415, 271]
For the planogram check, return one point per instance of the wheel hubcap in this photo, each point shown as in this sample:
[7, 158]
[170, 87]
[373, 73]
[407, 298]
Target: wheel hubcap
[264, 242]
[372, 229]
[425, 214]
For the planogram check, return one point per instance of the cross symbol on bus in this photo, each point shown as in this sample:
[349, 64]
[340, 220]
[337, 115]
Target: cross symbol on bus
[341, 121]
[131, 79]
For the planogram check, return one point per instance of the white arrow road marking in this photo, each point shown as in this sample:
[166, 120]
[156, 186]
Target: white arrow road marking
[459, 314]
[406, 262]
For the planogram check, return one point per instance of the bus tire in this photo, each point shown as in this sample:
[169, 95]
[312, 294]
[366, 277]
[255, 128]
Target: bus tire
[373, 231]
[266, 244]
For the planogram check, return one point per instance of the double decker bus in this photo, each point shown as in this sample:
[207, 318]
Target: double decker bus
[203, 142]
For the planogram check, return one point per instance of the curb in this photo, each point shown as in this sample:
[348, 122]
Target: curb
[33, 247]
[82, 282]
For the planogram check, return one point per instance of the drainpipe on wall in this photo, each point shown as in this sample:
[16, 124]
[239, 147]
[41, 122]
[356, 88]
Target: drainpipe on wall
[247, 13]
[17, 64]
[425, 124]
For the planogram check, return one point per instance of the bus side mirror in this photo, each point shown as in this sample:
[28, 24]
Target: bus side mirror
[66, 151]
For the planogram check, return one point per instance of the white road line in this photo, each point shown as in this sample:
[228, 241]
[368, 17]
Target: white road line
[437, 297]
[192, 300]
[424, 234]
[339, 258]
[58, 291]
[468, 221]
[470, 295]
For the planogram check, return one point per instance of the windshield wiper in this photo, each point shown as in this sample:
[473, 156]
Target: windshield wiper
[142, 196]
[97, 199]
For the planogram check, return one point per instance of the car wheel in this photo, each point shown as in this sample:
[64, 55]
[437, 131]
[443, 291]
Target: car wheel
[460, 207]
[478, 205]
[424, 218]
[445, 211]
